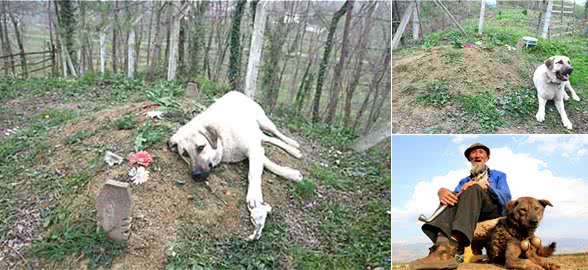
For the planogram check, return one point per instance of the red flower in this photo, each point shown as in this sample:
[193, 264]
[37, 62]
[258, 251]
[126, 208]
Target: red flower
[469, 46]
[140, 158]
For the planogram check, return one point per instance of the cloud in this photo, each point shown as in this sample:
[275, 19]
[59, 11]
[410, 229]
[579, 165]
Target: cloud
[567, 146]
[526, 176]
[582, 152]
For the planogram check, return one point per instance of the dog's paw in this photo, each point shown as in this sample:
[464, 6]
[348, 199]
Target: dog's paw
[567, 123]
[296, 176]
[551, 266]
[540, 116]
[297, 153]
[576, 97]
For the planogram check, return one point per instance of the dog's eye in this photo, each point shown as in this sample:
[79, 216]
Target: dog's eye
[560, 62]
[185, 154]
[200, 148]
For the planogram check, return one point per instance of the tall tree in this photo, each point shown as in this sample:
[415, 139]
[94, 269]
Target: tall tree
[325, 61]
[336, 89]
[197, 43]
[234, 72]
[156, 43]
[173, 40]
[361, 50]
[68, 25]
[299, 41]
[271, 70]
[256, 48]
[115, 28]
[19, 41]
[7, 45]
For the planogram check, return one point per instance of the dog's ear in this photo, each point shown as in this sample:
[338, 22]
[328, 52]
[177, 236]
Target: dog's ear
[549, 63]
[172, 145]
[545, 202]
[510, 205]
[211, 136]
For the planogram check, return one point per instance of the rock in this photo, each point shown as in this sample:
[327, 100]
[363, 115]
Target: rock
[113, 207]
[192, 90]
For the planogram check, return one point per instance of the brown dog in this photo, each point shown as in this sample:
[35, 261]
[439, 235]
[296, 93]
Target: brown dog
[513, 243]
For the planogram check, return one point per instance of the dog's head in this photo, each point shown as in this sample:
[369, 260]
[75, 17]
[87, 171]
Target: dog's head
[561, 66]
[199, 147]
[526, 212]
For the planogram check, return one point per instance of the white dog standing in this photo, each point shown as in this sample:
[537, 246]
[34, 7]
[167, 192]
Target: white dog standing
[551, 80]
[230, 130]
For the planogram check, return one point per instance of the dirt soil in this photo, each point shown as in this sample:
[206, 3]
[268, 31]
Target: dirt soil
[470, 71]
[565, 261]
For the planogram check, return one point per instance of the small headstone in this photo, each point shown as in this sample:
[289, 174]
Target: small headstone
[192, 90]
[113, 207]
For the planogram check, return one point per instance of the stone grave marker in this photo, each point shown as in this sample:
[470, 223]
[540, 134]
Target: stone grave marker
[113, 207]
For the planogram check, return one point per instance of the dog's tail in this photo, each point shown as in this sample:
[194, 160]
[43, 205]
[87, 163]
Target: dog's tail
[546, 251]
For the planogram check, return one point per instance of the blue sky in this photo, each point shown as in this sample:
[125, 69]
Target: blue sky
[553, 167]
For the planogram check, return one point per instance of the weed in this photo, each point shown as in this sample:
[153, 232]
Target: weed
[123, 90]
[210, 88]
[68, 237]
[331, 178]
[483, 107]
[520, 102]
[149, 136]
[78, 136]
[126, 122]
[165, 93]
[304, 189]
[439, 95]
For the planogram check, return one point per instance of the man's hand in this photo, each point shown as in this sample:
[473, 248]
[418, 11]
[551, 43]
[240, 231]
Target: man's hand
[447, 197]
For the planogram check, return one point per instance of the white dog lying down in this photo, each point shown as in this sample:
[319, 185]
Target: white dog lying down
[551, 80]
[230, 130]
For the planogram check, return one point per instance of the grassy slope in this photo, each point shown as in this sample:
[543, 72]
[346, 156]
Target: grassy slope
[492, 108]
[51, 166]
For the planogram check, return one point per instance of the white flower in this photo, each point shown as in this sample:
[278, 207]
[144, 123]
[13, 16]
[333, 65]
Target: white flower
[139, 175]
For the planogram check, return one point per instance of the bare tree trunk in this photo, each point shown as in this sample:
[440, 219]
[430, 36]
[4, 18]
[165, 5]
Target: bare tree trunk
[156, 45]
[103, 51]
[8, 48]
[23, 58]
[3, 44]
[334, 93]
[197, 43]
[138, 41]
[377, 109]
[114, 35]
[361, 49]
[175, 17]
[373, 88]
[255, 51]
[299, 45]
[181, 44]
[153, 5]
[131, 55]
[325, 61]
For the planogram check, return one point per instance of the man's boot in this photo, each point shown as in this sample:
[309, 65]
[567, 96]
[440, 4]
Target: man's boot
[441, 256]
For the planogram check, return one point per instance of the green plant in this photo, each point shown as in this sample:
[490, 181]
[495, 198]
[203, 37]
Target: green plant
[304, 189]
[149, 136]
[165, 93]
[123, 90]
[210, 88]
[126, 122]
[519, 102]
[67, 237]
[483, 109]
[78, 136]
[438, 95]
[329, 177]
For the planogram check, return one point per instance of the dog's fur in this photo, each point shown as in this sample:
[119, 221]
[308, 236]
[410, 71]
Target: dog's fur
[522, 219]
[230, 130]
[551, 80]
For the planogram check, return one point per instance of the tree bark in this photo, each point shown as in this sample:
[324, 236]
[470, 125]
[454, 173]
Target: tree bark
[197, 43]
[174, 43]
[23, 58]
[156, 44]
[325, 61]
[234, 72]
[334, 93]
[299, 54]
[153, 5]
[361, 49]
[114, 37]
[131, 54]
[256, 48]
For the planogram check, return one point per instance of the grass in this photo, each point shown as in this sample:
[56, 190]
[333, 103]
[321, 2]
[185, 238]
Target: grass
[330, 178]
[484, 109]
[304, 189]
[126, 122]
[150, 135]
[438, 95]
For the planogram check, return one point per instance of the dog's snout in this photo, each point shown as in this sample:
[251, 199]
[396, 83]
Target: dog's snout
[534, 222]
[200, 176]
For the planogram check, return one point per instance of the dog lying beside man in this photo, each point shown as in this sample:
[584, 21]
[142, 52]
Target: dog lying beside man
[232, 130]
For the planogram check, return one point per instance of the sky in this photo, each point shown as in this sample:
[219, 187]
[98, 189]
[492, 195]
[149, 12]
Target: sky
[553, 167]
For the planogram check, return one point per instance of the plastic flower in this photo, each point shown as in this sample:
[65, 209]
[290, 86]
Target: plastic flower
[139, 175]
[141, 158]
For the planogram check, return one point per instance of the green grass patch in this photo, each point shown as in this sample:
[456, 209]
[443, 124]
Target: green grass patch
[438, 95]
[68, 237]
[304, 189]
[165, 93]
[329, 177]
[150, 135]
[210, 88]
[79, 136]
[519, 103]
[126, 122]
[124, 90]
[483, 108]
